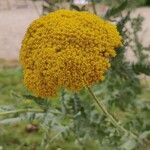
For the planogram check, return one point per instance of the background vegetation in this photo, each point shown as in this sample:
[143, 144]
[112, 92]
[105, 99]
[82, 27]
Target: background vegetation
[72, 121]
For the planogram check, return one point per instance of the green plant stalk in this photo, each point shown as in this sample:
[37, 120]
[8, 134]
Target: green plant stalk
[21, 111]
[112, 119]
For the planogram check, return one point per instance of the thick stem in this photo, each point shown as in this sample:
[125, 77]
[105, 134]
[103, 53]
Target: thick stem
[112, 119]
[21, 111]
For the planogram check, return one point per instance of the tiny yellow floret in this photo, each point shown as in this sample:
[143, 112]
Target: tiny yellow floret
[67, 49]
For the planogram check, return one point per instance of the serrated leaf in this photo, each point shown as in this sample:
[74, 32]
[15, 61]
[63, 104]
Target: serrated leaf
[33, 97]
[145, 134]
[75, 7]
[139, 68]
[48, 2]
[11, 120]
[43, 103]
[83, 8]
[115, 10]
[130, 144]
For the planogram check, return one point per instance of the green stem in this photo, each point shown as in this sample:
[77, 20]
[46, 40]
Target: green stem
[64, 108]
[21, 111]
[112, 119]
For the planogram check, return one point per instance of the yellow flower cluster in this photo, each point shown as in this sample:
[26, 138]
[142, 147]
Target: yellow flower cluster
[67, 49]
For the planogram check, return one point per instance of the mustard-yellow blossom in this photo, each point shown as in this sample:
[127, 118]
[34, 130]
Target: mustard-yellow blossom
[67, 49]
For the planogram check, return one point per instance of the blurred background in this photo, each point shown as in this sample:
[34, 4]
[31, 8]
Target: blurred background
[127, 94]
[16, 15]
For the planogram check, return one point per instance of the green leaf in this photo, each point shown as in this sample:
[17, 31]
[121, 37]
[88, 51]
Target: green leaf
[130, 144]
[43, 103]
[33, 97]
[115, 10]
[145, 134]
[139, 68]
[83, 8]
[75, 7]
[48, 2]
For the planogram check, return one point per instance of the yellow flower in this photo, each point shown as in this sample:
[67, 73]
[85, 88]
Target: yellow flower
[66, 49]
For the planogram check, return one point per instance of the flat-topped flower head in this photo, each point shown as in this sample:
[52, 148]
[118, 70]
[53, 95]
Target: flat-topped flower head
[67, 49]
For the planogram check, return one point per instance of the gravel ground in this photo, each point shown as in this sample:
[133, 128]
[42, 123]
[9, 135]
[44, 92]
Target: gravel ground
[16, 15]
